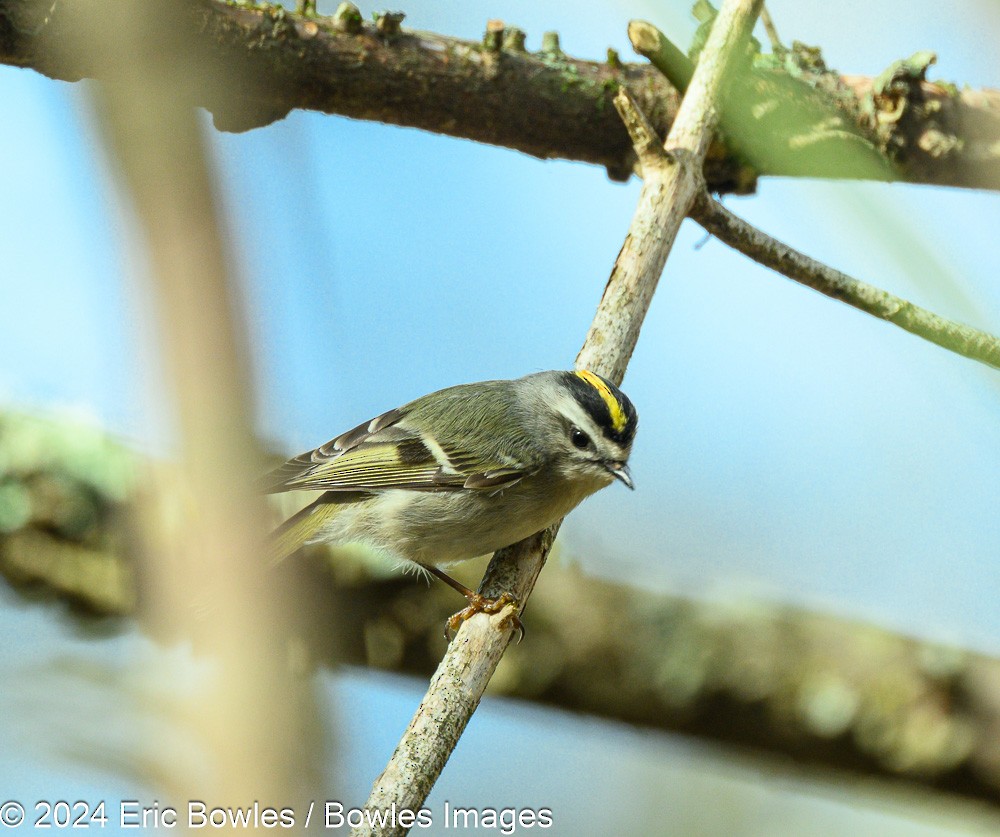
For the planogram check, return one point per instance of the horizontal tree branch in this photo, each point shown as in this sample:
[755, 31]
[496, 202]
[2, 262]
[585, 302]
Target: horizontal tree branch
[738, 234]
[781, 681]
[545, 104]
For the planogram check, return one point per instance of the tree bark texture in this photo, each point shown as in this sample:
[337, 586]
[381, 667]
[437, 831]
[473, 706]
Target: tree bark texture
[546, 104]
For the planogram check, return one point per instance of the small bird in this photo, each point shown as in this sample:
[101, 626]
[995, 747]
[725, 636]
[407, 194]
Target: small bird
[462, 472]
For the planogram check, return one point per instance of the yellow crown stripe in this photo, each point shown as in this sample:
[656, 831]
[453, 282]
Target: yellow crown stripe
[618, 417]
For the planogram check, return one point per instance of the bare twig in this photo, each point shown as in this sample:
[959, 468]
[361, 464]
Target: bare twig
[772, 33]
[663, 54]
[671, 182]
[737, 233]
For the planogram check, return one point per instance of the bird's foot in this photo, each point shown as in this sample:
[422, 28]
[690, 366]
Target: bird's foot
[483, 604]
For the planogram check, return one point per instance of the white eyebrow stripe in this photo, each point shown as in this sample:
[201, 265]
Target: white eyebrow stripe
[572, 411]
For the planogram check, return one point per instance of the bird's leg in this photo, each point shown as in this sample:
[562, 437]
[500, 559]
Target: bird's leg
[477, 604]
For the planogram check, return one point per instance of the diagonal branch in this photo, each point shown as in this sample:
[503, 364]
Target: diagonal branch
[672, 181]
[738, 234]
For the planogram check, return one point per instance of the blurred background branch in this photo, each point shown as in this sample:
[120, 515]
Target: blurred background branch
[781, 681]
[551, 105]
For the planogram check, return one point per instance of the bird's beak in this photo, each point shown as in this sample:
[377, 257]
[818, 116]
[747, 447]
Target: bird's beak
[620, 471]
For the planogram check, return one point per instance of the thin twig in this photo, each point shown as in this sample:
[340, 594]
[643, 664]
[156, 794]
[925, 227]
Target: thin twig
[772, 33]
[672, 181]
[663, 54]
[737, 233]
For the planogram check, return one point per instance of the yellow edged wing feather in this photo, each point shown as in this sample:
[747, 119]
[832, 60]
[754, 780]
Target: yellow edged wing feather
[384, 454]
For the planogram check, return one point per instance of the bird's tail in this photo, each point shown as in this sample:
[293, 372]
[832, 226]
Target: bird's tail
[300, 529]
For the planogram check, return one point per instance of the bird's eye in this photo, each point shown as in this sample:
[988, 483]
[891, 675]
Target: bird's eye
[579, 439]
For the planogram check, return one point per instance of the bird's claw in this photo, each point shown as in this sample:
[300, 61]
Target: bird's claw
[482, 604]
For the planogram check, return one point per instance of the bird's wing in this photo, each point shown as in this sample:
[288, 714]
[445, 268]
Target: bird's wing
[386, 453]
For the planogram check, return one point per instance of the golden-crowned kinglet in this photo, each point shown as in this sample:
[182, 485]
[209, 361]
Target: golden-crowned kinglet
[463, 471]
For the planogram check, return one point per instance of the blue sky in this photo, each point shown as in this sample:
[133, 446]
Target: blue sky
[790, 448]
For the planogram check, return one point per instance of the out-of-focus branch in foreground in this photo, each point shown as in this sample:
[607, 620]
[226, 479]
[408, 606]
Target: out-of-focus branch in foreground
[204, 582]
